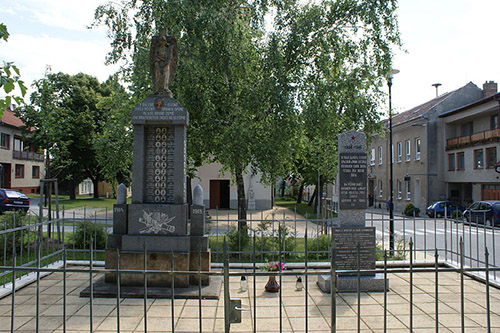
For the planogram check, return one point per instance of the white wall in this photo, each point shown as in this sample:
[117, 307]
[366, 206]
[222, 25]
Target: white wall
[262, 193]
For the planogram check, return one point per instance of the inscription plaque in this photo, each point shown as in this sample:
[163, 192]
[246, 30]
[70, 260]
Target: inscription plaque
[352, 180]
[159, 164]
[345, 243]
[153, 111]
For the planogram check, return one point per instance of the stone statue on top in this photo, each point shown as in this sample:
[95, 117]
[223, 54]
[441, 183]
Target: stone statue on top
[163, 62]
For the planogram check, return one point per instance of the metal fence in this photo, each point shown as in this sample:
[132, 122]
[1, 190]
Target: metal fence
[75, 247]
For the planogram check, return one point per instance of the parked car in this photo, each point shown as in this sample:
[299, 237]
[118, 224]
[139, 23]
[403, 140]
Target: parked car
[13, 200]
[437, 209]
[487, 212]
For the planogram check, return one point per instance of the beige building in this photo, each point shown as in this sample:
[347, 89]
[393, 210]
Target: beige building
[472, 141]
[219, 191]
[418, 153]
[21, 166]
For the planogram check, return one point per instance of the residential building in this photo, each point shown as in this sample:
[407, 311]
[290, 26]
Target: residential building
[472, 141]
[417, 153]
[21, 165]
[219, 191]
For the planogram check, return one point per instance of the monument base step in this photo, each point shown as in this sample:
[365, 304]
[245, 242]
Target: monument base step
[103, 289]
[350, 283]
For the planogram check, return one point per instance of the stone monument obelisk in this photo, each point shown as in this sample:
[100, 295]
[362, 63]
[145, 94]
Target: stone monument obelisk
[155, 225]
[353, 242]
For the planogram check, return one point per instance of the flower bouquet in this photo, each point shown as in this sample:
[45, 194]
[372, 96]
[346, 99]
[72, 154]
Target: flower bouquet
[273, 266]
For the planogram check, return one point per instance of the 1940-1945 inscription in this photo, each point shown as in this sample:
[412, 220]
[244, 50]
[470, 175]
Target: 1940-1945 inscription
[352, 186]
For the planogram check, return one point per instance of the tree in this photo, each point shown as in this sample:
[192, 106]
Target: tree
[113, 145]
[9, 78]
[258, 99]
[72, 117]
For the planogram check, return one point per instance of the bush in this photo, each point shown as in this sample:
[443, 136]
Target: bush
[411, 210]
[10, 220]
[238, 240]
[322, 244]
[87, 229]
[456, 214]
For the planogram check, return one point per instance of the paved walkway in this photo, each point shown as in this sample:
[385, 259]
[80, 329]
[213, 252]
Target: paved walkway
[186, 312]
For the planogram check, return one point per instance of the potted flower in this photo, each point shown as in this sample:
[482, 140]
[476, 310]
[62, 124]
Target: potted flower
[272, 285]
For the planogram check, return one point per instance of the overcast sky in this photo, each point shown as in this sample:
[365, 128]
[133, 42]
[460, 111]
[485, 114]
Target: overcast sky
[451, 42]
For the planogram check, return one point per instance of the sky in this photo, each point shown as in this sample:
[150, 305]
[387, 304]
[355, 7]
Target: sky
[451, 42]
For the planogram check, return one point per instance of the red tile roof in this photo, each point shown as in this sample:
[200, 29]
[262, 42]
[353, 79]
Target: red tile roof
[9, 118]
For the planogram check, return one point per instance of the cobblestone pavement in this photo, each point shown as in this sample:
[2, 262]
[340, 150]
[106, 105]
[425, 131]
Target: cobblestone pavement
[267, 306]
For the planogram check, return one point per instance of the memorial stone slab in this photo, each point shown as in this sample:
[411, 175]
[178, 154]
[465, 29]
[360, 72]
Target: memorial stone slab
[352, 179]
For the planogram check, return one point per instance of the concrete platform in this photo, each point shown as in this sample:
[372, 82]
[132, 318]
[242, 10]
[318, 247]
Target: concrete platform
[103, 289]
[349, 283]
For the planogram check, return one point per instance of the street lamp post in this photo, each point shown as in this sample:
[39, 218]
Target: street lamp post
[390, 75]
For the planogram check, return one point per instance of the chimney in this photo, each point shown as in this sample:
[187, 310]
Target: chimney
[489, 88]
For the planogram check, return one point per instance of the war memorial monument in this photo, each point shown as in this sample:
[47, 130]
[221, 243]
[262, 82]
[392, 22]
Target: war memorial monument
[154, 232]
[353, 242]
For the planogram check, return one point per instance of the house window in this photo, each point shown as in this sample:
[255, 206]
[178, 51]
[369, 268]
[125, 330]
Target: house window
[451, 162]
[392, 153]
[380, 187]
[5, 141]
[417, 149]
[478, 159]
[400, 151]
[408, 190]
[35, 171]
[398, 188]
[19, 171]
[460, 161]
[491, 157]
[372, 156]
[407, 150]
[494, 122]
[380, 155]
[18, 144]
[466, 129]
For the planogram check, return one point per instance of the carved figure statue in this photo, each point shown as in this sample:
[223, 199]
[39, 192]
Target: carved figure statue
[163, 62]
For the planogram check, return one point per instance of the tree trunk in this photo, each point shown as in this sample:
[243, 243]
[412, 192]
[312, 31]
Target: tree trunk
[72, 189]
[242, 202]
[313, 196]
[301, 189]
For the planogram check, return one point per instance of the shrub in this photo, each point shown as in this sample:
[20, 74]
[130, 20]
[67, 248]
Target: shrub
[10, 220]
[238, 240]
[322, 244]
[456, 214]
[86, 230]
[411, 210]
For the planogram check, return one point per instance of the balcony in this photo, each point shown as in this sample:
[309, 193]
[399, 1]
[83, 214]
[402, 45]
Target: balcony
[27, 155]
[474, 139]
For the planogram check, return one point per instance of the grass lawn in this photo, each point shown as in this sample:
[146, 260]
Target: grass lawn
[85, 201]
[302, 208]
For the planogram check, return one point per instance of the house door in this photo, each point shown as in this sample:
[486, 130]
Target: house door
[5, 175]
[371, 192]
[219, 193]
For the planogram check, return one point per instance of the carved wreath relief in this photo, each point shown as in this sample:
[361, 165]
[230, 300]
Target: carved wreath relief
[160, 164]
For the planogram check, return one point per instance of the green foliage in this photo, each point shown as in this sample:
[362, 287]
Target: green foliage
[10, 220]
[83, 124]
[9, 78]
[87, 231]
[260, 100]
[411, 210]
[238, 240]
[457, 214]
[322, 245]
